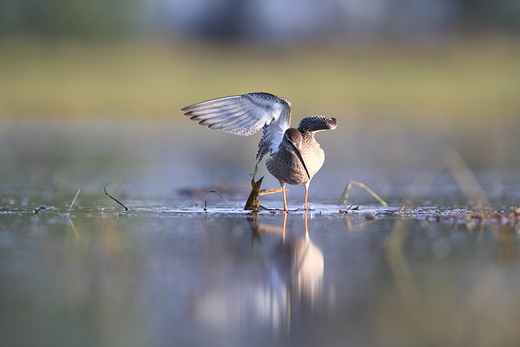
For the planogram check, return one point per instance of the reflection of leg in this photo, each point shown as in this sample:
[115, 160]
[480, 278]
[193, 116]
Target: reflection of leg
[283, 226]
[284, 198]
[305, 225]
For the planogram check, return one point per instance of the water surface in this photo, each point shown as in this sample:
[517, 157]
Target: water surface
[166, 272]
[176, 275]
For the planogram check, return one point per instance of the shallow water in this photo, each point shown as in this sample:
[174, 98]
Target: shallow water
[166, 272]
[176, 275]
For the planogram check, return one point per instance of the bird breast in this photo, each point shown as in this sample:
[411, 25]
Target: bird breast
[287, 168]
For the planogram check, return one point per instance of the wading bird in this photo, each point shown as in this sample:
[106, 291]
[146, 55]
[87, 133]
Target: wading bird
[295, 156]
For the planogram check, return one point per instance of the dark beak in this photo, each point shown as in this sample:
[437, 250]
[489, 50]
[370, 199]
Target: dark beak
[298, 154]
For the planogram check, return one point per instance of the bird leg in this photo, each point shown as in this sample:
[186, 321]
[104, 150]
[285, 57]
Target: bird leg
[306, 196]
[284, 198]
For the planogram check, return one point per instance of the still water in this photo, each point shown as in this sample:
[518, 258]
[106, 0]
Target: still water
[176, 276]
[168, 273]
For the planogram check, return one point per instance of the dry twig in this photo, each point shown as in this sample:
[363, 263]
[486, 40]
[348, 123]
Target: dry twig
[111, 197]
[344, 196]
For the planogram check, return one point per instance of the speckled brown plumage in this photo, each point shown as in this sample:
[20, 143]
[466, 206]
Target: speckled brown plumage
[287, 167]
[299, 156]
[295, 154]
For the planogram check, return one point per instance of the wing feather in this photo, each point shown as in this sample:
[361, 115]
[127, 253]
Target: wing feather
[245, 115]
[317, 123]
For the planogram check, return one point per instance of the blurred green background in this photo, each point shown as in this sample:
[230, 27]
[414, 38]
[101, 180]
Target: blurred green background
[408, 81]
[436, 59]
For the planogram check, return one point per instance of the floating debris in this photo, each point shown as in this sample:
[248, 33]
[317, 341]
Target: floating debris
[252, 203]
[501, 218]
[41, 208]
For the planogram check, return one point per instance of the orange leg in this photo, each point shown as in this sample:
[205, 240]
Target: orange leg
[284, 198]
[306, 196]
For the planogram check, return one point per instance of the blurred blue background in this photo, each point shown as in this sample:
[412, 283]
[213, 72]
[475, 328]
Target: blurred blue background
[261, 20]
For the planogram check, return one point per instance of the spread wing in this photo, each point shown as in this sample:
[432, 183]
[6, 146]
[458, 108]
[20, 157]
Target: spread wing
[245, 115]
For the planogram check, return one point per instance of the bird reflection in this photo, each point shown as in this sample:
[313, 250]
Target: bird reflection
[298, 265]
[283, 280]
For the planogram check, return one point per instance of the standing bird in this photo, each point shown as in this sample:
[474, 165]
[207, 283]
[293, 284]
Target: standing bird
[295, 154]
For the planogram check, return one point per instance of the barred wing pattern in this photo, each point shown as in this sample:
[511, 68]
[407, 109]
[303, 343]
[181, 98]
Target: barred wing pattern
[317, 123]
[245, 115]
